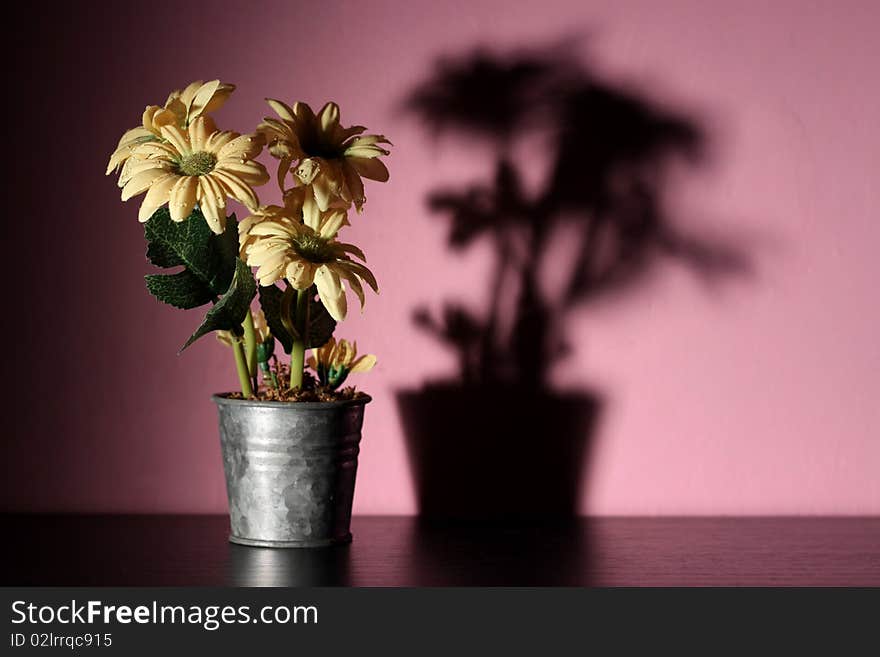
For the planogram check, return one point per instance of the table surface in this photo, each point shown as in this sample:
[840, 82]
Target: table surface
[405, 551]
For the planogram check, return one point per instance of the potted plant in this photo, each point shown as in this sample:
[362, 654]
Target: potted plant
[290, 435]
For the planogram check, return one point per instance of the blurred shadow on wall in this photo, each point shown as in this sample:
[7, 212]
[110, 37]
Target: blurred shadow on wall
[499, 443]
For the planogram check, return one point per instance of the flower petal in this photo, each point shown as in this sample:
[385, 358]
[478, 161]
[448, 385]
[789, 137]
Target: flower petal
[355, 185]
[303, 113]
[277, 228]
[328, 117]
[278, 129]
[308, 170]
[368, 140]
[363, 364]
[186, 96]
[311, 214]
[212, 201]
[354, 283]
[201, 99]
[371, 168]
[331, 292]
[221, 95]
[127, 143]
[343, 134]
[253, 173]
[335, 220]
[345, 354]
[267, 276]
[134, 136]
[300, 274]
[326, 351]
[157, 196]
[199, 131]
[237, 188]
[177, 138]
[244, 146]
[135, 166]
[141, 182]
[161, 117]
[282, 109]
[264, 251]
[351, 248]
[176, 107]
[361, 271]
[365, 151]
[155, 149]
[219, 139]
[321, 190]
[335, 354]
[123, 173]
[183, 197]
[283, 169]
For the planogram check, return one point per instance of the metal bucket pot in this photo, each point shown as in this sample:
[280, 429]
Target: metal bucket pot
[290, 470]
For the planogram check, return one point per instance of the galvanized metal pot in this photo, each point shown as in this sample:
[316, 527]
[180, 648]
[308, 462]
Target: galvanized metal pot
[290, 469]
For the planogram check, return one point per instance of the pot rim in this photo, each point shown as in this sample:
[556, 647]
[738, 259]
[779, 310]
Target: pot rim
[220, 399]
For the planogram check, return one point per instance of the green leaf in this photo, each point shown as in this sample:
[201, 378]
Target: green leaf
[270, 302]
[162, 255]
[229, 312]
[226, 245]
[321, 324]
[182, 290]
[209, 258]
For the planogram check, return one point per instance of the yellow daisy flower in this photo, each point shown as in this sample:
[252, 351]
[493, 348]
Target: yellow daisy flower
[336, 360]
[305, 252]
[330, 159]
[181, 109]
[199, 165]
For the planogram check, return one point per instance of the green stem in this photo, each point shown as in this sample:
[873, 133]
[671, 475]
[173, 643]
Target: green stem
[250, 348]
[268, 375]
[244, 377]
[276, 379]
[250, 344]
[286, 303]
[298, 353]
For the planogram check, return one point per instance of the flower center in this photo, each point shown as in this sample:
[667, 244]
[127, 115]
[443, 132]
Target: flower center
[314, 144]
[314, 249]
[197, 164]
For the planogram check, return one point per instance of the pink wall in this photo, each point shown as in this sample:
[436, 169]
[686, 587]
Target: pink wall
[758, 397]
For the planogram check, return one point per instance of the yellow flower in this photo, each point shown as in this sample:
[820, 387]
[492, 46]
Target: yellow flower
[331, 159]
[305, 252]
[336, 360]
[200, 165]
[181, 109]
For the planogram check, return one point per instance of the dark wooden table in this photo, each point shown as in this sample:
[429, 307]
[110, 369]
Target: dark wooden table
[404, 551]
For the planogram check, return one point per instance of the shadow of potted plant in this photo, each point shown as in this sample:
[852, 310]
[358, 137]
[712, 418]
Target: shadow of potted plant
[290, 437]
[499, 441]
